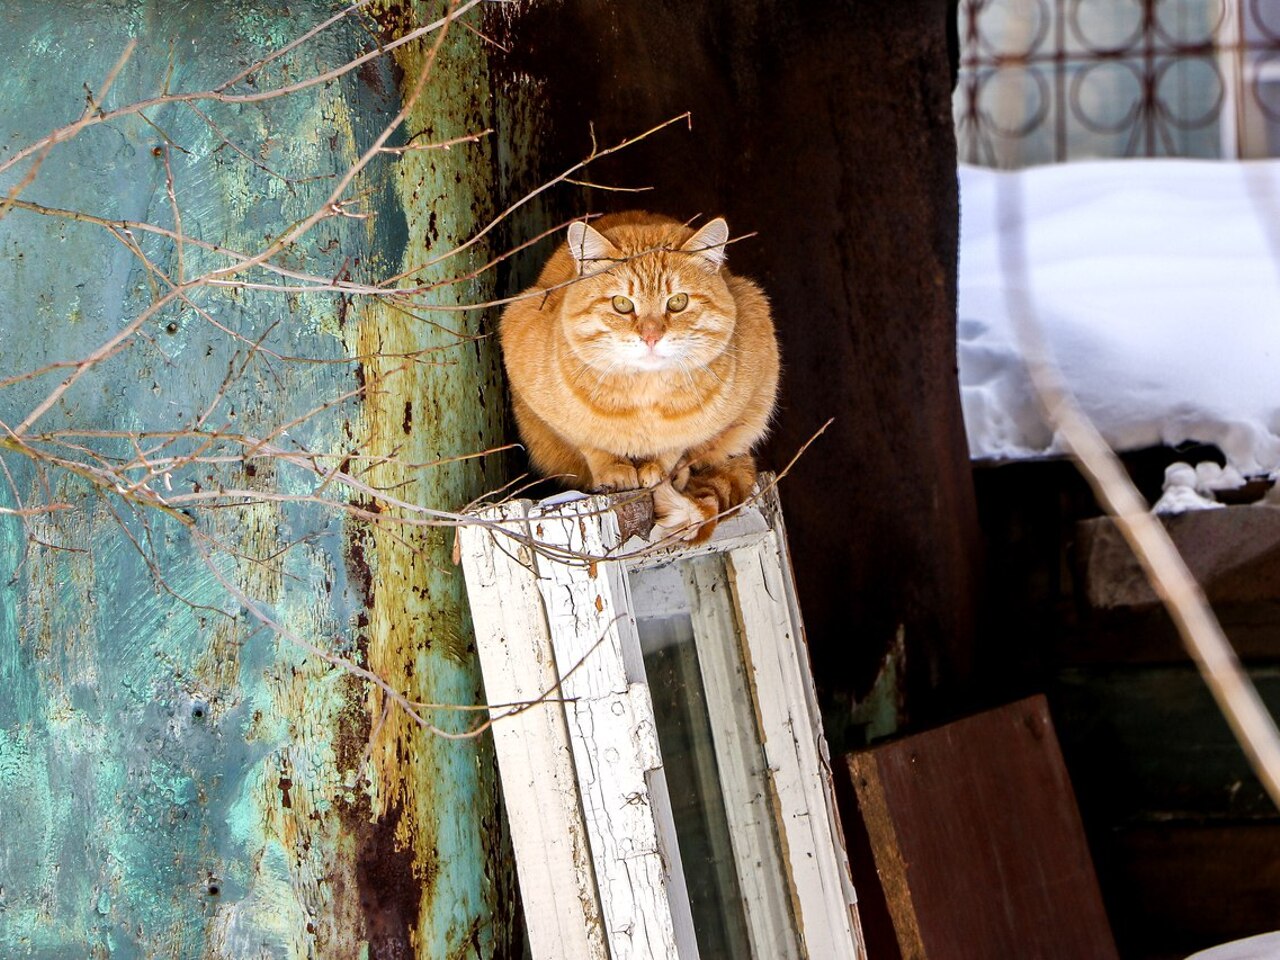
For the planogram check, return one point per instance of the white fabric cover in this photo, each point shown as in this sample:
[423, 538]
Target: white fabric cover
[1263, 947]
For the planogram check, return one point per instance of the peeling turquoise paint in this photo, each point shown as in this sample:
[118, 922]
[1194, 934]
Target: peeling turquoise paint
[177, 781]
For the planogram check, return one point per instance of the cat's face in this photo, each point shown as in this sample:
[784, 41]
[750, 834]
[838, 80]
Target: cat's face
[654, 309]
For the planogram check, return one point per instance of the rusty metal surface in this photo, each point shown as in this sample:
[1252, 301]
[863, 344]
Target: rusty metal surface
[178, 780]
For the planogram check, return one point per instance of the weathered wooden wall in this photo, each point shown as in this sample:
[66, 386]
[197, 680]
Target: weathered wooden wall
[176, 779]
[825, 127]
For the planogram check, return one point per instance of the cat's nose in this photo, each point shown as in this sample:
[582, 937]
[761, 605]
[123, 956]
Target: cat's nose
[650, 332]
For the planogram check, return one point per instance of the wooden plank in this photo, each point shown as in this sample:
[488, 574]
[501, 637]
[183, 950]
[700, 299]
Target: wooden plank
[1138, 635]
[1037, 561]
[806, 691]
[791, 729]
[740, 762]
[564, 601]
[978, 842]
[548, 834]
[1233, 553]
[641, 882]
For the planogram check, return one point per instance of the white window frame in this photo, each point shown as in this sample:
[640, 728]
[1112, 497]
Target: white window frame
[581, 769]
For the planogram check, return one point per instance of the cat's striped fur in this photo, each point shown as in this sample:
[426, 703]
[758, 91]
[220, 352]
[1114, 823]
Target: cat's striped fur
[638, 360]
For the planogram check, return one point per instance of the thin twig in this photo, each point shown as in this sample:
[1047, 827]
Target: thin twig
[92, 114]
[69, 132]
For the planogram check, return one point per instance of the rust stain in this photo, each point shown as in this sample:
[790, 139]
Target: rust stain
[218, 666]
[387, 888]
[422, 861]
[60, 571]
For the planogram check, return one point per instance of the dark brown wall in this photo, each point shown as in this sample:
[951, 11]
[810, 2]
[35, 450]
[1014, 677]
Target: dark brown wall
[826, 128]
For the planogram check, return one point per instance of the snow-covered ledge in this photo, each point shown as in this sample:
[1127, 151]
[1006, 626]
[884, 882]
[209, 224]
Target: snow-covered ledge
[1156, 285]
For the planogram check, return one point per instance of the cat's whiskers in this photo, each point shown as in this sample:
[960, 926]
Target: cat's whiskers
[602, 378]
[688, 376]
[630, 377]
[697, 341]
[591, 376]
[711, 372]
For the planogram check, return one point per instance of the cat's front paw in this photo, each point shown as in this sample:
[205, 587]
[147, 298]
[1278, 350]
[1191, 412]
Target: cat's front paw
[650, 473]
[618, 475]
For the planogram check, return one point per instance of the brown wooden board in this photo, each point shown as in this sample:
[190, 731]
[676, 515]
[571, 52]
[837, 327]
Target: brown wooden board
[1233, 552]
[1039, 556]
[1137, 635]
[978, 843]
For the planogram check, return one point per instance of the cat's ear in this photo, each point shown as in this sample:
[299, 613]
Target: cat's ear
[587, 244]
[708, 243]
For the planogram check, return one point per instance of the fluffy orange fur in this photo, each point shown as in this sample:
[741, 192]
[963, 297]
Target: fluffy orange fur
[638, 360]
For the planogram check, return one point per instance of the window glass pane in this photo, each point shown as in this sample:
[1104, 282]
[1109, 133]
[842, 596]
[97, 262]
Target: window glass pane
[713, 761]
[1046, 81]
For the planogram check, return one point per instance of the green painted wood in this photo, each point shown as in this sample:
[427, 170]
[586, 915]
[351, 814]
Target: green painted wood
[1149, 744]
[177, 780]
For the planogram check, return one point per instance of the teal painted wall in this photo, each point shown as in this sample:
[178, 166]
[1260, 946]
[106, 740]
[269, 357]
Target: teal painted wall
[178, 779]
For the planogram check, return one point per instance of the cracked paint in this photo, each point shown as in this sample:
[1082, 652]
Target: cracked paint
[176, 780]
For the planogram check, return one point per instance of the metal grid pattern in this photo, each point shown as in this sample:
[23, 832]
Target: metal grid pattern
[1049, 81]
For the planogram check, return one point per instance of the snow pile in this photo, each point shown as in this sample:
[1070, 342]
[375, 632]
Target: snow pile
[1185, 488]
[1157, 286]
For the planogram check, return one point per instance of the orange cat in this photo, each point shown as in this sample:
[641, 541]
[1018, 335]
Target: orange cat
[637, 360]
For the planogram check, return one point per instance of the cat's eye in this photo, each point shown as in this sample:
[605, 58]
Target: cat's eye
[678, 302]
[623, 305]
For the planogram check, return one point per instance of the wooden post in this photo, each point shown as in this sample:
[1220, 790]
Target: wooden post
[826, 128]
